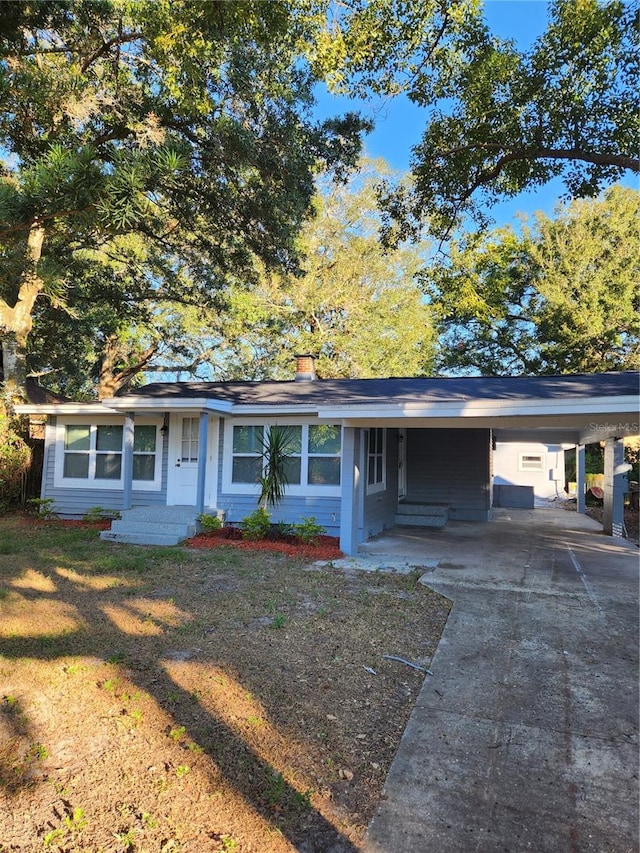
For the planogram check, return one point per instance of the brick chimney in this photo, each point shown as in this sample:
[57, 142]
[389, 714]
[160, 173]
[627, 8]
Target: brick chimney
[305, 368]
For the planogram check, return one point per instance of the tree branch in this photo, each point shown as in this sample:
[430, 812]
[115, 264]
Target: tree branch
[622, 161]
[106, 46]
[42, 217]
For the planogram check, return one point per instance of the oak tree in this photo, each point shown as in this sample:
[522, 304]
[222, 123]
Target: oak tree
[187, 124]
[560, 297]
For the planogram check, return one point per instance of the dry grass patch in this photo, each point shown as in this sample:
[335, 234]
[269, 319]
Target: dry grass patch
[167, 700]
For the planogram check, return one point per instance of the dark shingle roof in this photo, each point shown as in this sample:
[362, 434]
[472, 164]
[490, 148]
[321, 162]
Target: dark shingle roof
[353, 392]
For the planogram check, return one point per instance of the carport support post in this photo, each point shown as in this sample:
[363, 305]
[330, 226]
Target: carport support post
[614, 487]
[127, 460]
[203, 440]
[580, 478]
[349, 477]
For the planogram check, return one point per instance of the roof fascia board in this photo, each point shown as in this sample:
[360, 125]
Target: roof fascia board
[164, 404]
[484, 408]
[63, 409]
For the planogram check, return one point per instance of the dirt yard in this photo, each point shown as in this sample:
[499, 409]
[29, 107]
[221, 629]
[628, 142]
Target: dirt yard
[172, 700]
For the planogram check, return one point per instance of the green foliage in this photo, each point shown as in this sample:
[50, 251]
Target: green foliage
[99, 513]
[15, 458]
[42, 507]
[257, 525]
[277, 445]
[356, 306]
[500, 120]
[562, 297]
[308, 529]
[158, 147]
[209, 522]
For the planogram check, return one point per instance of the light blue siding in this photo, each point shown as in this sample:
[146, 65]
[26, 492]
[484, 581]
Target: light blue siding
[76, 502]
[450, 467]
[291, 511]
[293, 508]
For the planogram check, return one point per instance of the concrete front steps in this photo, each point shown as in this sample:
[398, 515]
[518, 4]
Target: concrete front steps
[422, 515]
[162, 525]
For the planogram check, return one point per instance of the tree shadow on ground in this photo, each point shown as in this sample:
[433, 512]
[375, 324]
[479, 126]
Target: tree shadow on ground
[98, 604]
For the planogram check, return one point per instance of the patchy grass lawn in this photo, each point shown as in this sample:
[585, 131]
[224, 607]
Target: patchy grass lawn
[170, 699]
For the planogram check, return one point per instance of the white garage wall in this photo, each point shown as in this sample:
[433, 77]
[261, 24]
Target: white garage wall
[515, 463]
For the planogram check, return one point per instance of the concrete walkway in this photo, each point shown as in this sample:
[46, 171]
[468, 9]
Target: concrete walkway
[525, 738]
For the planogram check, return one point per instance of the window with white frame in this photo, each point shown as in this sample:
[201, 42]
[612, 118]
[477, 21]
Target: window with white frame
[531, 462]
[90, 454]
[324, 447]
[313, 450]
[247, 453]
[145, 438]
[376, 462]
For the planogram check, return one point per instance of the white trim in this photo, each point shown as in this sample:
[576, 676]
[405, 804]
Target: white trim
[87, 483]
[356, 412]
[64, 409]
[196, 404]
[294, 489]
[273, 410]
[376, 488]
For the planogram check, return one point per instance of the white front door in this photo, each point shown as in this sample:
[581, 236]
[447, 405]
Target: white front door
[183, 460]
[182, 477]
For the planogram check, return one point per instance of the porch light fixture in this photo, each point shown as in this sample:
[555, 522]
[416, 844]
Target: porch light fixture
[164, 429]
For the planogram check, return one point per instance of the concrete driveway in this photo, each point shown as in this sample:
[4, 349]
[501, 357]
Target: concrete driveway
[525, 737]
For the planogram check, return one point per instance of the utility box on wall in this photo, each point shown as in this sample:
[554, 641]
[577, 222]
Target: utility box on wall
[513, 497]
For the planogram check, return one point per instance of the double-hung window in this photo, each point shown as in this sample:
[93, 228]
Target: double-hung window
[324, 448]
[145, 439]
[376, 463]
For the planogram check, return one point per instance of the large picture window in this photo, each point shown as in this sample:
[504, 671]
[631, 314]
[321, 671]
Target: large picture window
[313, 464]
[92, 455]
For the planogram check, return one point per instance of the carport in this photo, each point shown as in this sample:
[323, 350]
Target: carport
[568, 410]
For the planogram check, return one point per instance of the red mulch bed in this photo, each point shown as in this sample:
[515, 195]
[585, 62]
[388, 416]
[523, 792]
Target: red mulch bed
[322, 547]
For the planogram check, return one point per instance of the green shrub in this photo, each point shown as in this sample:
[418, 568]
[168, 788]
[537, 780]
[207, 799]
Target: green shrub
[99, 513]
[308, 529]
[15, 458]
[209, 522]
[42, 507]
[284, 529]
[257, 525]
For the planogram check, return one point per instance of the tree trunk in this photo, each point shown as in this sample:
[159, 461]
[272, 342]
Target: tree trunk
[16, 321]
[113, 379]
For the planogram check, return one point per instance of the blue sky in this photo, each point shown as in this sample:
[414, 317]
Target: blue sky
[399, 123]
